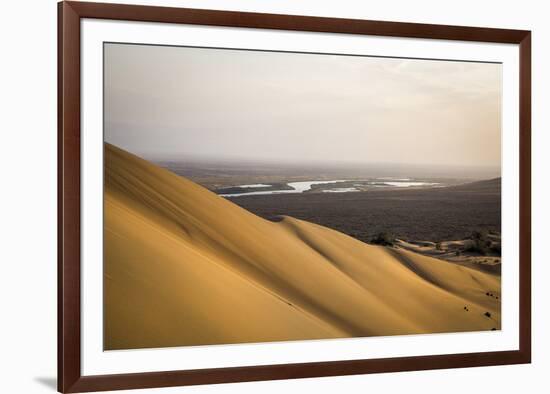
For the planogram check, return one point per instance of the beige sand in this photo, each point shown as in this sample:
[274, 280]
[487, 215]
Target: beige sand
[184, 266]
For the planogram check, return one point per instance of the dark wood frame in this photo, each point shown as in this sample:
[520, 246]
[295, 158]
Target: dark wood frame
[69, 360]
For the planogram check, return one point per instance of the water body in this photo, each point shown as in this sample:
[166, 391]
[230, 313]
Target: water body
[255, 185]
[407, 184]
[300, 187]
[341, 190]
[297, 187]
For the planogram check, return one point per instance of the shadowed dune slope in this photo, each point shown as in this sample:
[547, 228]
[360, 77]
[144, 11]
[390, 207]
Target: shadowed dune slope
[184, 266]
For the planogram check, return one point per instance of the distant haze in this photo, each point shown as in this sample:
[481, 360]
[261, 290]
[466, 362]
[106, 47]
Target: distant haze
[193, 103]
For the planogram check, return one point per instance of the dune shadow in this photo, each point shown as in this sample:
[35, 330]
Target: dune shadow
[47, 381]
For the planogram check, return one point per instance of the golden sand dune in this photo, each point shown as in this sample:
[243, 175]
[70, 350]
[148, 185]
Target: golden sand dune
[184, 266]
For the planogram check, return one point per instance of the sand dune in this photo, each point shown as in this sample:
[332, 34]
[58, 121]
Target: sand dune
[184, 266]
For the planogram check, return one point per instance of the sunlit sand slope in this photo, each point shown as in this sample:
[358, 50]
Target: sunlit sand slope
[184, 266]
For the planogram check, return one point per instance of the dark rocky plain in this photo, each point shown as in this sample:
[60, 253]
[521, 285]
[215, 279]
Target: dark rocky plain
[434, 214]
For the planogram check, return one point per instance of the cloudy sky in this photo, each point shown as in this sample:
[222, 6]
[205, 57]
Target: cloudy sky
[170, 102]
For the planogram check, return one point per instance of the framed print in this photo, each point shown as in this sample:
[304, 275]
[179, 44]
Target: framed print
[252, 196]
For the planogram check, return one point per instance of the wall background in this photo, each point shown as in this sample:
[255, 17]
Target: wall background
[28, 194]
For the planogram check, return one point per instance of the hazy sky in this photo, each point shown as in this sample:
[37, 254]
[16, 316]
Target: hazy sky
[188, 102]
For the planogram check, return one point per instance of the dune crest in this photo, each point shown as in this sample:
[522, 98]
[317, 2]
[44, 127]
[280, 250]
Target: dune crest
[184, 266]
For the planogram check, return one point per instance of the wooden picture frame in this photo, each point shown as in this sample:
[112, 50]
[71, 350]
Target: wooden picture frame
[70, 14]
